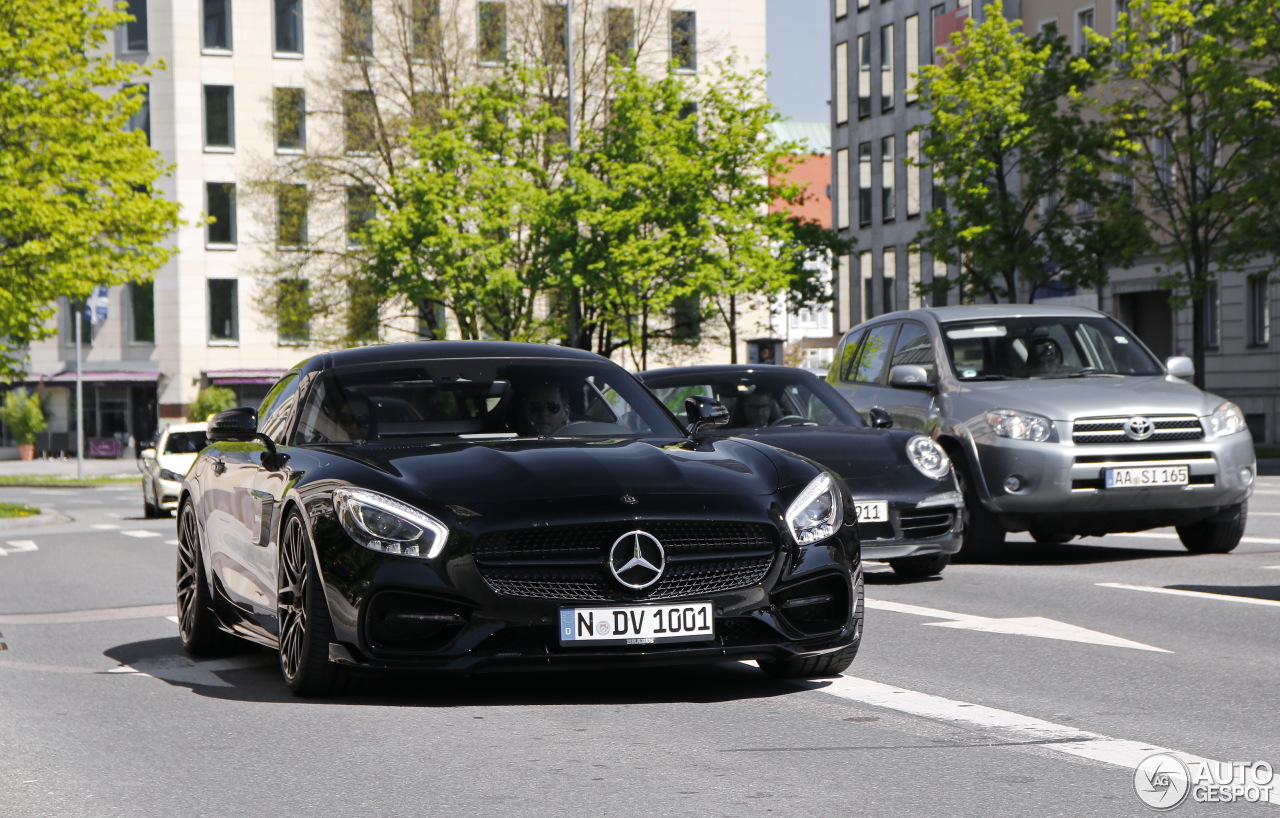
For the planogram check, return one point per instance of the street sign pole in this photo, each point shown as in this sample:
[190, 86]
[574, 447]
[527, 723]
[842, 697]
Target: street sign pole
[78, 318]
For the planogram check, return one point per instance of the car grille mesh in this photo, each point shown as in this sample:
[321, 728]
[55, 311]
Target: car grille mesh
[1111, 430]
[570, 562]
[919, 523]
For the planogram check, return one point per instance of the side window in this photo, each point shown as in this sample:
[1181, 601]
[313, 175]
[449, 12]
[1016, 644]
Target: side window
[848, 356]
[277, 407]
[913, 347]
[873, 355]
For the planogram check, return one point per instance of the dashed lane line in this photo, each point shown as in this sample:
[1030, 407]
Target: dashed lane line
[91, 615]
[141, 533]
[1162, 536]
[1248, 600]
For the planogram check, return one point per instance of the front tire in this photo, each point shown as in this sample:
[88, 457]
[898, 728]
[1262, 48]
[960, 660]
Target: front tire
[150, 510]
[1215, 536]
[919, 567]
[811, 667]
[197, 623]
[303, 616]
[983, 532]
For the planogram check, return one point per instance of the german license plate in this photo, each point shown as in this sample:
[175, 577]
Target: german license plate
[1143, 476]
[872, 511]
[637, 624]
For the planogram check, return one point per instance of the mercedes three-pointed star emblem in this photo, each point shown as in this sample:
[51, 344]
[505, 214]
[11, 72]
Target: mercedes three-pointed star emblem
[637, 560]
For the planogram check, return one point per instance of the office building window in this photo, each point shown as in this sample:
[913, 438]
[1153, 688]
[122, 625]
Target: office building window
[555, 34]
[888, 169]
[842, 83]
[76, 312]
[425, 29]
[864, 184]
[911, 53]
[219, 116]
[224, 310]
[288, 22]
[934, 14]
[620, 34]
[864, 4]
[293, 310]
[1259, 306]
[842, 8]
[133, 34]
[866, 275]
[889, 289]
[140, 120]
[913, 174]
[864, 76]
[216, 31]
[362, 312]
[886, 68]
[686, 319]
[684, 40]
[360, 211]
[914, 299]
[1084, 24]
[291, 119]
[492, 44]
[142, 312]
[357, 28]
[360, 130]
[842, 188]
[291, 216]
[220, 205]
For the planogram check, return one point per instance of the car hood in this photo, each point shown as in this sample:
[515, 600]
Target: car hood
[177, 463]
[1066, 399]
[521, 472]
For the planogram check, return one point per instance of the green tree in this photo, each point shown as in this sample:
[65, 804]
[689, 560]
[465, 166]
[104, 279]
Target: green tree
[78, 206]
[210, 401]
[1022, 163]
[23, 414]
[1197, 107]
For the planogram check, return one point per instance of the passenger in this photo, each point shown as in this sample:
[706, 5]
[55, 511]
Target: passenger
[545, 409]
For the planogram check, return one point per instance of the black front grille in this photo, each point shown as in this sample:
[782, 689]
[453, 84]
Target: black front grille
[571, 562]
[1111, 430]
[919, 523]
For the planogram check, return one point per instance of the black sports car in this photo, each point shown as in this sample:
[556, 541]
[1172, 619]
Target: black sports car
[473, 506]
[909, 508]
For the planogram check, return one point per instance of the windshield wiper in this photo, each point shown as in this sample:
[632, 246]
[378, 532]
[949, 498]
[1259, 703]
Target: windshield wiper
[991, 377]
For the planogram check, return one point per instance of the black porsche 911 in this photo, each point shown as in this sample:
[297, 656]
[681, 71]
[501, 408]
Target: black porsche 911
[472, 506]
[909, 508]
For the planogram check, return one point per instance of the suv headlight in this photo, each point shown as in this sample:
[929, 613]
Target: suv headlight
[384, 524]
[928, 457]
[817, 513]
[1227, 419]
[1021, 425]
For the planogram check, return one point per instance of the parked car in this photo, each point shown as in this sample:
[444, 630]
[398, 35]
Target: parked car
[909, 508]
[1060, 422]
[477, 533]
[164, 465]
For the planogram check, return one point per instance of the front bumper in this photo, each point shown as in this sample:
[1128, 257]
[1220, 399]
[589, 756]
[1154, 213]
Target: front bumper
[915, 530]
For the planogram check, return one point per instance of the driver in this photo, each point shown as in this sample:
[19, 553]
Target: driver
[757, 407]
[545, 409]
[1046, 356]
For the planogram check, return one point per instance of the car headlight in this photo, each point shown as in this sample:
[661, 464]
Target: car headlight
[172, 476]
[817, 513]
[1021, 425]
[1227, 419]
[384, 524]
[928, 457]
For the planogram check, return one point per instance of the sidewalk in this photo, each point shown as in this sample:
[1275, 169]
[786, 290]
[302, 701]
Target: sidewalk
[93, 467]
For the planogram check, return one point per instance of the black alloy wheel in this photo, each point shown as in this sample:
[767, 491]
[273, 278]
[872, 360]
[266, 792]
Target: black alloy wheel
[303, 617]
[197, 622]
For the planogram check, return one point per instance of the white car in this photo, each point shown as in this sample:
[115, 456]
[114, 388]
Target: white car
[164, 466]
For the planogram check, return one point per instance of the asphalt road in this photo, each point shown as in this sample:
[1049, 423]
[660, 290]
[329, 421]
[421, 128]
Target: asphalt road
[1034, 685]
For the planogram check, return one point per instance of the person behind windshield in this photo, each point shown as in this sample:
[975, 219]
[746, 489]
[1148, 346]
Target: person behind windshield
[545, 409]
[1045, 357]
[757, 407]
[356, 418]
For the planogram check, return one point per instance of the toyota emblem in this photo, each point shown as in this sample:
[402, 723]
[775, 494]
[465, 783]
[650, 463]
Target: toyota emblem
[1138, 428]
[637, 560]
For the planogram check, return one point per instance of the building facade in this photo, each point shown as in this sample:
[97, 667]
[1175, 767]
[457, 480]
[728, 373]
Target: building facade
[879, 197]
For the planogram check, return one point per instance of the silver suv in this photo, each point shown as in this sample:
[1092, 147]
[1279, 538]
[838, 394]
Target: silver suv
[1059, 421]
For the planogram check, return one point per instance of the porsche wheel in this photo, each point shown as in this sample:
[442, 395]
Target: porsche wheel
[925, 566]
[305, 628]
[197, 623]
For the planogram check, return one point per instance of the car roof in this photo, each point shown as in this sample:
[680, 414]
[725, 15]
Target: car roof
[187, 427]
[443, 350]
[978, 312]
[724, 369]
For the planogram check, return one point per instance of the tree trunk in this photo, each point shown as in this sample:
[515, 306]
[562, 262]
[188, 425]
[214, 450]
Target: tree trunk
[733, 329]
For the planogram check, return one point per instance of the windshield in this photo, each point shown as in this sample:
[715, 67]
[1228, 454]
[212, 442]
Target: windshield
[478, 399]
[185, 442]
[759, 398]
[1045, 347]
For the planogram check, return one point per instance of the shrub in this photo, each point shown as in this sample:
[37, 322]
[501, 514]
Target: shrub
[210, 401]
[24, 416]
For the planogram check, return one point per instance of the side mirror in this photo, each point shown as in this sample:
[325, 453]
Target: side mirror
[1180, 366]
[704, 413]
[239, 424]
[147, 454]
[909, 376]
[879, 417]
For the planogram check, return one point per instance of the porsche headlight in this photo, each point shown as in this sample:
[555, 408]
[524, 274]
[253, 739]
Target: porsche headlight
[928, 457]
[1227, 419]
[384, 524]
[1021, 425]
[817, 513]
[172, 476]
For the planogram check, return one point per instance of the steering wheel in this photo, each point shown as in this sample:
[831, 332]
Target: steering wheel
[793, 420]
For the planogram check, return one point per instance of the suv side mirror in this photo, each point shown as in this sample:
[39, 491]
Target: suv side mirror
[704, 413]
[909, 376]
[879, 418]
[1180, 366]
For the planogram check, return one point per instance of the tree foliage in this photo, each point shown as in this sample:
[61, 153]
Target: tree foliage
[1017, 150]
[78, 204]
[23, 414]
[210, 401]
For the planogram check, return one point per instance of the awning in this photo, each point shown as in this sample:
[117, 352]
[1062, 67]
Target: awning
[89, 377]
[243, 377]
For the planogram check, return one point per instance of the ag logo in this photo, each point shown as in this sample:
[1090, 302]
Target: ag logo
[637, 559]
[1162, 781]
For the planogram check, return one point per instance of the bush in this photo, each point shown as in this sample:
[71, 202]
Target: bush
[24, 416]
[210, 401]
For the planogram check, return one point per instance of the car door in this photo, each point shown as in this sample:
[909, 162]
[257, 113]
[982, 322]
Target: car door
[913, 408]
[862, 375]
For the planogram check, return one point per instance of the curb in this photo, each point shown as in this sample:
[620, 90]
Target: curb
[45, 517]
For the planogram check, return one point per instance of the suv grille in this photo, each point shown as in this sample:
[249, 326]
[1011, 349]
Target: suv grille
[1165, 428]
[571, 562]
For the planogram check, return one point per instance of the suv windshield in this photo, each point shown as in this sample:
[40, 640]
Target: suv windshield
[1044, 347]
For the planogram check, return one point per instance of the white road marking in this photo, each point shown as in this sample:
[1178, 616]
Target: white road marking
[141, 533]
[180, 669]
[1161, 536]
[175, 542]
[1272, 567]
[1248, 600]
[105, 526]
[1017, 626]
[18, 546]
[1015, 726]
